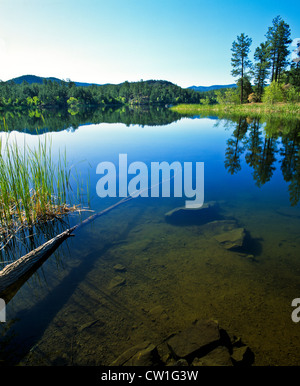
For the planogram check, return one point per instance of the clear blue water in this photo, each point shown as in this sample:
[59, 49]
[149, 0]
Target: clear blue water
[78, 309]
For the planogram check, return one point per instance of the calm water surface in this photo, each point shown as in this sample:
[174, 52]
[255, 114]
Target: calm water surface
[71, 311]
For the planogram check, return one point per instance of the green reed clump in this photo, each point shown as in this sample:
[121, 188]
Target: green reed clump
[33, 188]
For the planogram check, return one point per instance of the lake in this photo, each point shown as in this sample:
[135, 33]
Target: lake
[137, 274]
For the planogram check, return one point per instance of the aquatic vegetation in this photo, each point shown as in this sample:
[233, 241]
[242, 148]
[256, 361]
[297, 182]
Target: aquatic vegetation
[281, 110]
[33, 187]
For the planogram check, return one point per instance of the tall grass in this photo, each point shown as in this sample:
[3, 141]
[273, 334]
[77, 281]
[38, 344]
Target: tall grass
[33, 188]
[279, 110]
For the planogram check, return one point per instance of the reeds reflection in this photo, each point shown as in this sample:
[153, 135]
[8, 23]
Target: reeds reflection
[28, 239]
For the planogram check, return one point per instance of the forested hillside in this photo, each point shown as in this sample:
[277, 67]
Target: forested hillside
[52, 93]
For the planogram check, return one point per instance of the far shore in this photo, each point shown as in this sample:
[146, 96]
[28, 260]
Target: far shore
[284, 110]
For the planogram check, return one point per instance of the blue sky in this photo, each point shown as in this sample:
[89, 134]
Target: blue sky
[187, 42]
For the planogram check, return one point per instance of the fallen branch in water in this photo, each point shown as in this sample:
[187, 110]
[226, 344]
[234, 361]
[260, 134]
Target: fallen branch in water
[14, 275]
[8, 231]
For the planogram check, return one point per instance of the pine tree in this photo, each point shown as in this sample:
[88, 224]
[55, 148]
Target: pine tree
[261, 68]
[278, 38]
[239, 60]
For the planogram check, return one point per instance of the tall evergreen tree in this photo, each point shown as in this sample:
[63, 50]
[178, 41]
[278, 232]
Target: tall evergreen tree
[239, 60]
[278, 38]
[261, 68]
[247, 88]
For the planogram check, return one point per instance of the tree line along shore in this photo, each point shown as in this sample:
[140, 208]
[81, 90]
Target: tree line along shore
[270, 85]
[270, 79]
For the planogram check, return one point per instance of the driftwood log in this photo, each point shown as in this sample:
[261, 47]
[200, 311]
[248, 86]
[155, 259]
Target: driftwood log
[14, 275]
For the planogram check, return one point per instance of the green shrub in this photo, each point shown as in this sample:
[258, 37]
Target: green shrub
[292, 95]
[274, 93]
[229, 97]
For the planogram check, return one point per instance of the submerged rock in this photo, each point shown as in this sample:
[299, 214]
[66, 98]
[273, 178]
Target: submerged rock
[201, 344]
[189, 216]
[158, 313]
[180, 362]
[144, 354]
[119, 268]
[231, 236]
[242, 356]
[116, 282]
[219, 226]
[232, 239]
[220, 356]
[146, 357]
[248, 256]
[128, 354]
[198, 339]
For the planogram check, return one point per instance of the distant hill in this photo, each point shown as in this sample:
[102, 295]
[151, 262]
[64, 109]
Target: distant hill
[209, 88]
[30, 79]
[143, 92]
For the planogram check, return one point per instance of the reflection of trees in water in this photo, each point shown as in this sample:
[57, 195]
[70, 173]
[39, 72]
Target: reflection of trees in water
[236, 147]
[254, 144]
[290, 164]
[37, 121]
[261, 145]
[264, 168]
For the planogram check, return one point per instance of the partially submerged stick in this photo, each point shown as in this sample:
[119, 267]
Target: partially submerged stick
[14, 275]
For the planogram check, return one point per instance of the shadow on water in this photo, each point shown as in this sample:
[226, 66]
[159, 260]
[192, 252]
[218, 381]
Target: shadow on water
[29, 325]
[36, 319]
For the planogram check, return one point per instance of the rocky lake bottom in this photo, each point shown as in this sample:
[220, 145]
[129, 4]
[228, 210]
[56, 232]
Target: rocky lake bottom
[150, 272]
[141, 282]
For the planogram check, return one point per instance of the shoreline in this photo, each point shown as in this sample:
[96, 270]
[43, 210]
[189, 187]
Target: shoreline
[278, 110]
